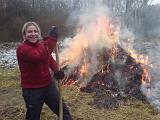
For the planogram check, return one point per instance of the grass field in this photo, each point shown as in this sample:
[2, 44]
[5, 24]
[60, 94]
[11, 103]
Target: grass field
[12, 105]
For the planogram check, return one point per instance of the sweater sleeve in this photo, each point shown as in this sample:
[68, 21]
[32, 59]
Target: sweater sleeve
[50, 43]
[53, 64]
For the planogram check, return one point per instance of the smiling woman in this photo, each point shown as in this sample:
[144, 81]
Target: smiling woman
[35, 63]
[31, 32]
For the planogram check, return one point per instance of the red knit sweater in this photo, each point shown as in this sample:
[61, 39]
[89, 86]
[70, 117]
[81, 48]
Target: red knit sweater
[34, 61]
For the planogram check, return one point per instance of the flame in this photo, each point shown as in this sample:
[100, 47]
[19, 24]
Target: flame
[145, 64]
[102, 70]
[85, 45]
[84, 70]
[146, 78]
[75, 51]
[98, 34]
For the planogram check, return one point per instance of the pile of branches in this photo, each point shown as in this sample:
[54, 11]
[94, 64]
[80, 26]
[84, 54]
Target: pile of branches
[115, 81]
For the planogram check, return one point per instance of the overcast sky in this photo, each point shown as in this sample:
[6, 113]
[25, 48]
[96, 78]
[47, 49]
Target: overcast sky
[154, 2]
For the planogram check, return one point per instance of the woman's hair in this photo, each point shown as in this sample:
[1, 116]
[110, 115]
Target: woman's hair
[27, 24]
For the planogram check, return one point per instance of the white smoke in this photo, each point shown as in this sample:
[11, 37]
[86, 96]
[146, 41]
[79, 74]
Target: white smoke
[151, 49]
[152, 90]
[91, 35]
[86, 19]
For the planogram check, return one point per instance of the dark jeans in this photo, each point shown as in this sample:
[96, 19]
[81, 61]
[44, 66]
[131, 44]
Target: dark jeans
[35, 98]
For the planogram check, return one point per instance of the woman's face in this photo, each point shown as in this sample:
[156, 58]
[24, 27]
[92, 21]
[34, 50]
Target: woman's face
[31, 34]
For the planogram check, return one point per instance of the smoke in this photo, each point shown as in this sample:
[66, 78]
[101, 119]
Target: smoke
[152, 90]
[151, 49]
[93, 32]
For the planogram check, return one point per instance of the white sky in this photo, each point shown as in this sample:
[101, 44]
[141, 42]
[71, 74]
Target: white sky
[154, 2]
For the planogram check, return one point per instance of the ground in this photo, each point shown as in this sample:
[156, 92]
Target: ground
[12, 105]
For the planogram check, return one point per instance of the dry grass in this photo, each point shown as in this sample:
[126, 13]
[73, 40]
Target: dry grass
[12, 105]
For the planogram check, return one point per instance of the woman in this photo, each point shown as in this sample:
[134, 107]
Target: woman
[35, 60]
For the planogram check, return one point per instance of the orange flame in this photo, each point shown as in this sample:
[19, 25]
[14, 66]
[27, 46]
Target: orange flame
[97, 33]
[101, 34]
[144, 61]
[84, 70]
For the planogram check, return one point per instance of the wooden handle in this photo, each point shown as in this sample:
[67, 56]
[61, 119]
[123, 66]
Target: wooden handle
[59, 86]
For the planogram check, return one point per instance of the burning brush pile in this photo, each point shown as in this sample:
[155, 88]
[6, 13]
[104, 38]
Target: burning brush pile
[94, 61]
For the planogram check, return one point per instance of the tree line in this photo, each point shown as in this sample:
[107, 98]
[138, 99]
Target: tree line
[134, 14]
[13, 14]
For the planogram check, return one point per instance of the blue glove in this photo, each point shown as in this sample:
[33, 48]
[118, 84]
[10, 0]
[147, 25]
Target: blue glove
[53, 32]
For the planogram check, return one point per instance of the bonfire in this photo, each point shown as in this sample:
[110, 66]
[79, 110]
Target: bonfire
[96, 62]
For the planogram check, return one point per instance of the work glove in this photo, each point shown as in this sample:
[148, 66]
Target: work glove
[59, 74]
[53, 32]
